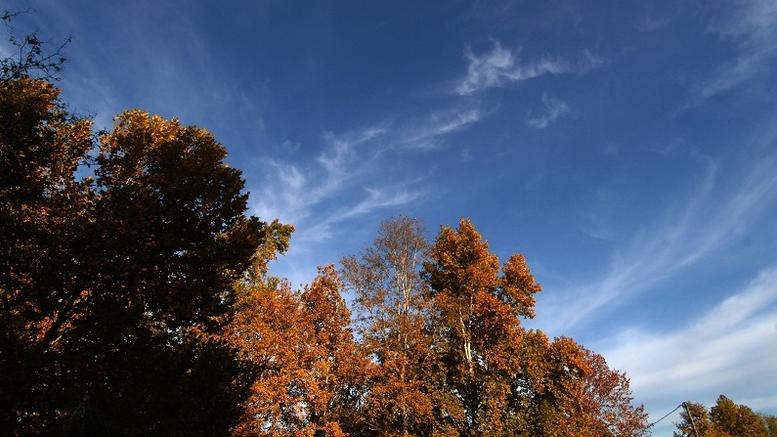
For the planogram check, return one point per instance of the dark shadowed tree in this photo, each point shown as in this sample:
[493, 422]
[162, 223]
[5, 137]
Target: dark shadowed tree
[112, 285]
[45, 214]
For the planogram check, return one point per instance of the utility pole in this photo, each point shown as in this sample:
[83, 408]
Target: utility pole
[693, 422]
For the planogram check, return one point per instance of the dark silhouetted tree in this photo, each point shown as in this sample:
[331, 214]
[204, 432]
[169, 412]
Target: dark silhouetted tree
[112, 285]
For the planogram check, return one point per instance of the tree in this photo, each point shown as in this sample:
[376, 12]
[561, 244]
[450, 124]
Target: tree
[771, 424]
[301, 352]
[32, 58]
[268, 332]
[509, 381]
[737, 420]
[726, 419]
[336, 369]
[108, 282]
[44, 223]
[169, 239]
[111, 285]
[698, 417]
[607, 398]
[476, 314]
[401, 397]
[565, 389]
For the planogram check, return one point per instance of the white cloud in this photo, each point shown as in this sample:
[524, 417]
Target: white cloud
[289, 194]
[293, 191]
[552, 109]
[752, 25]
[728, 350]
[376, 199]
[427, 134]
[308, 245]
[319, 196]
[499, 67]
[712, 217]
[302, 192]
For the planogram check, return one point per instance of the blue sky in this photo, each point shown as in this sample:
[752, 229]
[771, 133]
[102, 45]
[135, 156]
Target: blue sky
[627, 148]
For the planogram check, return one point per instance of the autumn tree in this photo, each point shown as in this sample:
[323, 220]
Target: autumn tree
[476, 312]
[737, 420]
[44, 223]
[695, 415]
[299, 346]
[111, 283]
[565, 389]
[266, 330]
[726, 419]
[509, 381]
[606, 396]
[392, 304]
[336, 380]
[771, 424]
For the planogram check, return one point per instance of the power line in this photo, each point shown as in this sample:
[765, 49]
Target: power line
[665, 416]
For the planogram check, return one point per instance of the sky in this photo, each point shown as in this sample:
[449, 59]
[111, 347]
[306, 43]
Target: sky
[627, 148]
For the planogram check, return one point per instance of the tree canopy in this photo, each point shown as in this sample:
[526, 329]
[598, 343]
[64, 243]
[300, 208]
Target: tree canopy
[725, 419]
[107, 275]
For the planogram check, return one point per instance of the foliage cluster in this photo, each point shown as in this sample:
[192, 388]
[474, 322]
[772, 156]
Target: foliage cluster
[725, 419]
[136, 300]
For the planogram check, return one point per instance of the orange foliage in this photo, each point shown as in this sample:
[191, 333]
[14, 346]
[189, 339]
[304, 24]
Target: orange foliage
[302, 352]
[140, 299]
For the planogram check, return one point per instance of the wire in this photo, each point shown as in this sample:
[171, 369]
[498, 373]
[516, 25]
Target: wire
[665, 416]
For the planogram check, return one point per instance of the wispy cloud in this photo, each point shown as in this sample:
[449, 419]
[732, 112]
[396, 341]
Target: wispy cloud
[339, 183]
[730, 349]
[342, 151]
[552, 109]
[428, 132]
[650, 24]
[322, 193]
[376, 198]
[711, 218]
[290, 192]
[752, 26]
[499, 67]
[291, 146]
